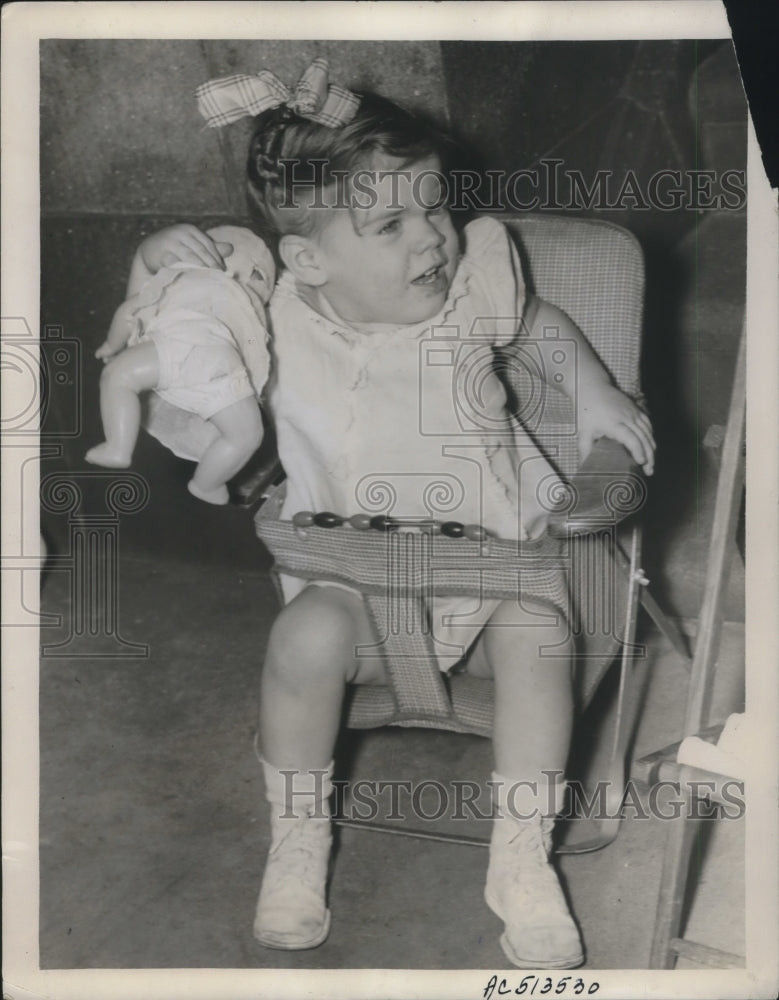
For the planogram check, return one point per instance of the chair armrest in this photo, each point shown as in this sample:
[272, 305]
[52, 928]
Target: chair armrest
[607, 488]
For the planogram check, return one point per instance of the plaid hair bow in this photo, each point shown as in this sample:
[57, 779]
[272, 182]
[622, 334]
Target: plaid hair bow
[226, 100]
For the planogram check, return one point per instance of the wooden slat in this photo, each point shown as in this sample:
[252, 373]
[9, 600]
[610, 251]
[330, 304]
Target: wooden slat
[722, 547]
[673, 882]
[666, 944]
[646, 768]
[702, 954]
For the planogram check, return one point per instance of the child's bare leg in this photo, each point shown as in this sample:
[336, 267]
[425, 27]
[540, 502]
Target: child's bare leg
[310, 659]
[130, 373]
[240, 435]
[530, 658]
[311, 656]
[533, 719]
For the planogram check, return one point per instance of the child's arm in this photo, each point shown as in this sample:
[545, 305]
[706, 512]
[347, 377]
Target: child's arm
[602, 410]
[180, 244]
[118, 332]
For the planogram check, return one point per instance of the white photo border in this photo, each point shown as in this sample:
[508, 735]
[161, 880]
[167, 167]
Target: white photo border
[24, 25]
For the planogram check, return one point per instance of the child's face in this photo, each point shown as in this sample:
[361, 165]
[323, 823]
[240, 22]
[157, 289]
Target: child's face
[393, 261]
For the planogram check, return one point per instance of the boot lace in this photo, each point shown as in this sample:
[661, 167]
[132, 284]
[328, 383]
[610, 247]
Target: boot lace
[302, 851]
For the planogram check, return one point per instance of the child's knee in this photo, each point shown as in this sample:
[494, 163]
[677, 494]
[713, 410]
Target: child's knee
[529, 624]
[313, 634]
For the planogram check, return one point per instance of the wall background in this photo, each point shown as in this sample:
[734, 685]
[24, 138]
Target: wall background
[120, 131]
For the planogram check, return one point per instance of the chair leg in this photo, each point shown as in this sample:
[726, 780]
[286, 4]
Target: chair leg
[656, 613]
[664, 623]
[608, 826]
[412, 831]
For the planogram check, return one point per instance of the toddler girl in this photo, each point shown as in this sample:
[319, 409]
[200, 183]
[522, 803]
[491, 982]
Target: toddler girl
[382, 311]
[196, 336]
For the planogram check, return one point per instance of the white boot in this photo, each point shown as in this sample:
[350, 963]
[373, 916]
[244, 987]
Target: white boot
[291, 910]
[522, 886]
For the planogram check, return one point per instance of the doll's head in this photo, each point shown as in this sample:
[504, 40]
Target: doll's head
[356, 212]
[250, 261]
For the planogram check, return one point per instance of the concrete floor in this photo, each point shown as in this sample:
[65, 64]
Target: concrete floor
[152, 813]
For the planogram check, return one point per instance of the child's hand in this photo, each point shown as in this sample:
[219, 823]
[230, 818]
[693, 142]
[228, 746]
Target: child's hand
[182, 244]
[604, 411]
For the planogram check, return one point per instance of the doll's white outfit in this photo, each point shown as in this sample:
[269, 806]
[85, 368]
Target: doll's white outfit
[409, 421]
[208, 327]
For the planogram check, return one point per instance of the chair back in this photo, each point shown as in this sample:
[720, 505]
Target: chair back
[594, 271]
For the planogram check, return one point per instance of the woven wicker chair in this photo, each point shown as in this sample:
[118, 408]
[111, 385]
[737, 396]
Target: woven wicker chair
[594, 272]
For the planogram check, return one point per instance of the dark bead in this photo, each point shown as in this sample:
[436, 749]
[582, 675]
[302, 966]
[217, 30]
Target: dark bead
[360, 521]
[382, 522]
[303, 519]
[475, 532]
[452, 529]
[324, 519]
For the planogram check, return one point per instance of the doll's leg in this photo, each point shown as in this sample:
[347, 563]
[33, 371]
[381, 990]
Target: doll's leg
[130, 373]
[118, 332]
[531, 662]
[240, 435]
[310, 659]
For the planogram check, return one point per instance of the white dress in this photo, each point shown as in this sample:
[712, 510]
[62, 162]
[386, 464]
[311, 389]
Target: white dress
[408, 421]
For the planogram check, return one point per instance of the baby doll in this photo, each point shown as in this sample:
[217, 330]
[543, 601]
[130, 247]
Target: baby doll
[196, 336]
